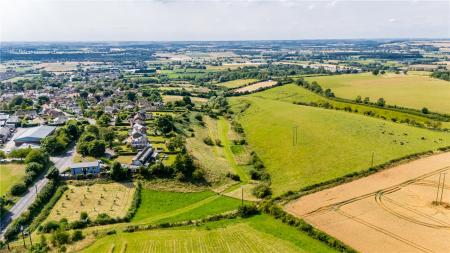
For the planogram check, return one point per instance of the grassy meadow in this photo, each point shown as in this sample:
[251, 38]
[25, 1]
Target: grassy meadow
[414, 90]
[330, 143]
[257, 234]
[10, 174]
[164, 206]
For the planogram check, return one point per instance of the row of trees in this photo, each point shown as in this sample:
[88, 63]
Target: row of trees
[37, 161]
[441, 74]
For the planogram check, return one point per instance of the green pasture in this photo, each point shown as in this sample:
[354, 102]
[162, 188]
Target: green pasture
[329, 143]
[10, 174]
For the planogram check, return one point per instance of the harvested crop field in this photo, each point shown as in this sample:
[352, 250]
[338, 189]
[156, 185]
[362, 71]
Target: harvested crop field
[256, 86]
[390, 211]
[414, 90]
[237, 83]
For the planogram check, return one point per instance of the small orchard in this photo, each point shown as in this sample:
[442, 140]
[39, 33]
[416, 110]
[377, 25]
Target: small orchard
[113, 199]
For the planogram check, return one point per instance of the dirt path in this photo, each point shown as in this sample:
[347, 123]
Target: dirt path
[390, 211]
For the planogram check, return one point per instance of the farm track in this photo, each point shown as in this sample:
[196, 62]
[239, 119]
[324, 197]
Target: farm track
[383, 231]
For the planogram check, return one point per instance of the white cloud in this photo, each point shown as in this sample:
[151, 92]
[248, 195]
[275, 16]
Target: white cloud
[392, 20]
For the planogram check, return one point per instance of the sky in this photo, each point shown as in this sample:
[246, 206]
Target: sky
[168, 20]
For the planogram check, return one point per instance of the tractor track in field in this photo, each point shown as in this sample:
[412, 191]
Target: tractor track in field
[394, 208]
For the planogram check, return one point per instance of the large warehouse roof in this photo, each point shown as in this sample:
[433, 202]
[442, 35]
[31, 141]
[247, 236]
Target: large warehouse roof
[35, 134]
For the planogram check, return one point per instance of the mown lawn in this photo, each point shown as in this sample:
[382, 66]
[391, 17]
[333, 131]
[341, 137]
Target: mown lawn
[157, 202]
[330, 143]
[412, 90]
[257, 234]
[160, 206]
[10, 174]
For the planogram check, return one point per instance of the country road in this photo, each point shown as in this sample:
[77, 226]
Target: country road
[61, 163]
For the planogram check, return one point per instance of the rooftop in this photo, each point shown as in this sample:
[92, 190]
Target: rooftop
[84, 165]
[37, 132]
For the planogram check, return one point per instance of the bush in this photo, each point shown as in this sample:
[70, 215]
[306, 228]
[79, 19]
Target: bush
[60, 238]
[198, 117]
[218, 142]
[208, 141]
[84, 216]
[18, 189]
[33, 167]
[103, 219]
[262, 191]
[78, 224]
[77, 236]
[198, 174]
[234, 177]
[247, 210]
[49, 226]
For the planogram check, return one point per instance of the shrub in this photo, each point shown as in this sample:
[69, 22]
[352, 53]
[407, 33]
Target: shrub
[49, 226]
[103, 219]
[233, 176]
[208, 141]
[33, 167]
[84, 216]
[77, 236]
[60, 238]
[198, 174]
[199, 117]
[247, 210]
[262, 191]
[18, 189]
[218, 142]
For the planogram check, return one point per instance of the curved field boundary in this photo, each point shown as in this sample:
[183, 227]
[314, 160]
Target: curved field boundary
[374, 192]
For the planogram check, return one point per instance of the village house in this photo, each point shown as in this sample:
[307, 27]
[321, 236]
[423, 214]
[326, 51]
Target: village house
[85, 168]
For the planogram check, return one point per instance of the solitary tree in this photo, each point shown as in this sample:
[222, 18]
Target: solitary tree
[381, 102]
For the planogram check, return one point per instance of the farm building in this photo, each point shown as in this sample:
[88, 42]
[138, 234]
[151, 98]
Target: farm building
[144, 156]
[34, 135]
[85, 168]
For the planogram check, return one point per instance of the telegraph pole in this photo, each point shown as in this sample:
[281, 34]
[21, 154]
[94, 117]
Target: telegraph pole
[23, 237]
[438, 186]
[442, 190]
[242, 195]
[373, 153]
[294, 135]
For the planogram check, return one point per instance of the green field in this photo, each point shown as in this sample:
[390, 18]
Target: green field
[237, 83]
[296, 94]
[257, 234]
[10, 174]
[330, 143]
[159, 206]
[413, 90]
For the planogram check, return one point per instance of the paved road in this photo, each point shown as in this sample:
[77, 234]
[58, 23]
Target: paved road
[64, 161]
[61, 162]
